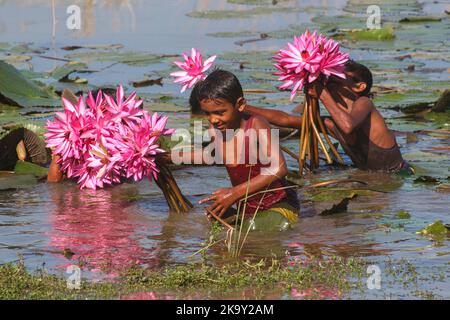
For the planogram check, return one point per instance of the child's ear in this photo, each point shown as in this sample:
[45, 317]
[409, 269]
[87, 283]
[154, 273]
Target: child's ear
[360, 87]
[240, 104]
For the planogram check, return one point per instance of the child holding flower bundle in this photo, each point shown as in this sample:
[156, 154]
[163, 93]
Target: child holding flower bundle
[354, 122]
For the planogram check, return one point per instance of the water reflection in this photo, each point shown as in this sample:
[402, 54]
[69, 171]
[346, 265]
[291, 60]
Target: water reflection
[97, 226]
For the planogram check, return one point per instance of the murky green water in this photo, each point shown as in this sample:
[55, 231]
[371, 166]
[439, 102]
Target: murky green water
[107, 230]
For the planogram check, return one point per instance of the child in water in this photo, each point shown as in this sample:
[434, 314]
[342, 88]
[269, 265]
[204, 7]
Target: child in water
[354, 121]
[220, 97]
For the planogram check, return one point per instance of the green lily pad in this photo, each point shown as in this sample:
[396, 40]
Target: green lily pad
[24, 167]
[441, 118]
[416, 19]
[403, 214]
[65, 70]
[128, 58]
[436, 228]
[15, 87]
[382, 34]
[234, 14]
[11, 181]
[426, 180]
[233, 34]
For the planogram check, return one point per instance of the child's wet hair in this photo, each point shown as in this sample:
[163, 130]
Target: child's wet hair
[360, 74]
[193, 99]
[220, 84]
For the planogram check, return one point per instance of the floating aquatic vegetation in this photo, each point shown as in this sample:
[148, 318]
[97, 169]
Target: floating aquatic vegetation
[426, 180]
[403, 214]
[382, 34]
[24, 167]
[339, 207]
[235, 14]
[23, 92]
[62, 73]
[128, 58]
[12, 181]
[93, 47]
[436, 228]
[417, 19]
[147, 82]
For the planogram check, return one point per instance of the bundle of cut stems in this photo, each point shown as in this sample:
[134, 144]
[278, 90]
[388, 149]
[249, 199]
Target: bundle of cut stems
[174, 197]
[310, 139]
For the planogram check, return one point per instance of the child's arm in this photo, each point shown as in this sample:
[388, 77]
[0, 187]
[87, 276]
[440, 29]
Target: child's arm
[224, 198]
[54, 172]
[276, 117]
[346, 121]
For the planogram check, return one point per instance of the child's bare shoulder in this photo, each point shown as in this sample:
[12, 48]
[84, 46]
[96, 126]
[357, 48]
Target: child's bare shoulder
[364, 102]
[260, 123]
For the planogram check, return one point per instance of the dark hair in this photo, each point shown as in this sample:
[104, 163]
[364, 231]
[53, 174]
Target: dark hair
[361, 74]
[220, 84]
[193, 100]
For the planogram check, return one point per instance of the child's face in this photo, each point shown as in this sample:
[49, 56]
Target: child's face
[221, 114]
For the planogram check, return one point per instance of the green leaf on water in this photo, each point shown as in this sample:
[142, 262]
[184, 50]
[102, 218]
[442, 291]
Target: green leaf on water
[416, 19]
[234, 14]
[11, 181]
[382, 34]
[426, 180]
[24, 167]
[403, 214]
[434, 229]
[65, 70]
[15, 87]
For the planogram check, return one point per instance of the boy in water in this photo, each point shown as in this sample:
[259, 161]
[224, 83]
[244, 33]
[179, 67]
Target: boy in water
[355, 122]
[221, 98]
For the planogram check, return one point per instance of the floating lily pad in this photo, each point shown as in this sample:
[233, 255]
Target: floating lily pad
[233, 34]
[234, 14]
[24, 167]
[417, 19]
[15, 87]
[382, 34]
[426, 180]
[403, 214]
[65, 70]
[436, 228]
[339, 207]
[128, 58]
[11, 181]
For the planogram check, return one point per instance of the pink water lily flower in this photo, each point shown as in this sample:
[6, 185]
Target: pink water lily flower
[108, 140]
[193, 69]
[304, 60]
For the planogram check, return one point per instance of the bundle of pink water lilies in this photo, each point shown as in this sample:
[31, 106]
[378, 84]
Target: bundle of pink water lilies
[302, 62]
[104, 139]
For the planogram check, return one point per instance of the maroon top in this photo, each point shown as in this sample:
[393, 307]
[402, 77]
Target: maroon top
[239, 174]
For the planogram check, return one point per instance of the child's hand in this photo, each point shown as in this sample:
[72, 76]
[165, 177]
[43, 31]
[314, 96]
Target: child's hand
[314, 89]
[165, 157]
[223, 199]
